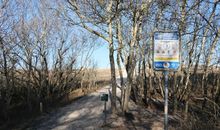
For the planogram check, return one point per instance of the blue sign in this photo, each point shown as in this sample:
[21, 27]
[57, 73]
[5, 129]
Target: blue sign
[167, 65]
[165, 36]
[166, 54]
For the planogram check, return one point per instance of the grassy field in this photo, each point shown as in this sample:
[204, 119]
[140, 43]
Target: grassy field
[105, 74]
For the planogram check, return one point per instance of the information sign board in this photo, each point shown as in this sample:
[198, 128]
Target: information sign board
[104, 97]
[166, 51]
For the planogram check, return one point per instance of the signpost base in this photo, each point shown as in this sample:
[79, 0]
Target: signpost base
[166, 101]
[105, 113]
[104, 97]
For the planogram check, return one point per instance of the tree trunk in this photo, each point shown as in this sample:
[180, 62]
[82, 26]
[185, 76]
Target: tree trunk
[144, 82]
[28, 84]
[119, 55]
[217, 92]
[174, 93]
[7, 82]
[112, 64]
[128, 91]
[205, 74]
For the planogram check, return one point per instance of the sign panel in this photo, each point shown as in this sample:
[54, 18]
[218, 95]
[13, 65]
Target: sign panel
[104, 97]
[166, 53]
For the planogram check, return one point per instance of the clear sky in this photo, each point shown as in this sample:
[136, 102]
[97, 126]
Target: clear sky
[101, 56]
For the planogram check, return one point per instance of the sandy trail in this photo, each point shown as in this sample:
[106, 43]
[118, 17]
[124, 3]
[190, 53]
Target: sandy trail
[84, 113]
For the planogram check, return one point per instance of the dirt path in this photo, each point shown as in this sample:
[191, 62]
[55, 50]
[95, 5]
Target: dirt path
[84, 113]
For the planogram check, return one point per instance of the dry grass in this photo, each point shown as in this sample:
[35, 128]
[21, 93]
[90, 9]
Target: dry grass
[105, 74]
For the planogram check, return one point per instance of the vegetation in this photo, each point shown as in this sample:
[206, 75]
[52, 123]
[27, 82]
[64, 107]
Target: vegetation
[42, 60]
[128, 27]
[45, 48]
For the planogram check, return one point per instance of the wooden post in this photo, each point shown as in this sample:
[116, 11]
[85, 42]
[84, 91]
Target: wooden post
[41, 107]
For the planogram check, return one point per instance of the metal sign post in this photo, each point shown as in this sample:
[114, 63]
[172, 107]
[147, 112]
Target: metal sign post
[104, 97]
[166, 101]
[166, 57]
[105, 113]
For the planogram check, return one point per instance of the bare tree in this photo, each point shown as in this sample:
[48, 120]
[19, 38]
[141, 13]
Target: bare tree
[106, 33]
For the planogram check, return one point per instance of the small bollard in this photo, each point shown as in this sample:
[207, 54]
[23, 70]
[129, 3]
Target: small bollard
[41, 107]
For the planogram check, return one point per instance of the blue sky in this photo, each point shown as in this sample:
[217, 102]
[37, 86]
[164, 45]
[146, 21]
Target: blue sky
[101, 57]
